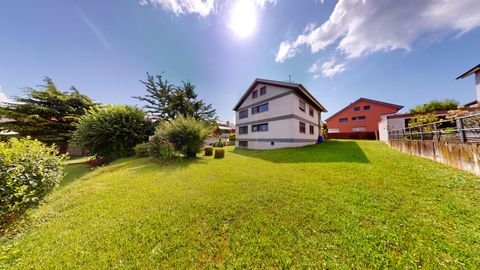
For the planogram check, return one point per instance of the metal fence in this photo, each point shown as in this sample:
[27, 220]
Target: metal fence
[461, 129]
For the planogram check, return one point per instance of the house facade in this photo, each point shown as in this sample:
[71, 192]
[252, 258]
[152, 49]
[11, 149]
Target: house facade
[360, 117]
[274, 114]
[476, 72]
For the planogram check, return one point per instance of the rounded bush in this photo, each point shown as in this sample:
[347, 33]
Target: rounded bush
[111, 132]
[29, 170]
[187, 134]
[219, 153]
[161, 148]
[141, 150]
[208, 151]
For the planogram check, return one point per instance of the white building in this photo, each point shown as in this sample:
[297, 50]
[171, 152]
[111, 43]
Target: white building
[274, 114]
[473, 71]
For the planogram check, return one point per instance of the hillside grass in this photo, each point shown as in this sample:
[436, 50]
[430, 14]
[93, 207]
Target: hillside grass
[340, 204]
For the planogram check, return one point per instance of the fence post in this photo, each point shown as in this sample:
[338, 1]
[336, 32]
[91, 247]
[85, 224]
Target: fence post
[435, 132]
[421, 133]
[461, 132]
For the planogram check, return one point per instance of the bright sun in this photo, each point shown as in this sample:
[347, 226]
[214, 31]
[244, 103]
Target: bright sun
[243, 18]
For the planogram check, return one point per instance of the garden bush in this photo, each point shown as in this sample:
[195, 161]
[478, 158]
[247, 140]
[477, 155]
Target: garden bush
[111, 131]
[219, 143]
[141, 150]
[219, 153]
[29, 170]
[208, 151]
[187, 134]
[161, 148]
[96, 162]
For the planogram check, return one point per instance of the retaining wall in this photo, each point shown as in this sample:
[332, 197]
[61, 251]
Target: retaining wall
[464, 156]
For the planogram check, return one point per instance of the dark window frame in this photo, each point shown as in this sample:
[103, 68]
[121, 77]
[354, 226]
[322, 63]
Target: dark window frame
[240, 114]
[343, 120]
[242, 143]
[263, 91]
[356, 109]
[302, 127]
[260, 127]
[311, 129]
[359, 118]
[254, 94]
[366, 108]
[311, 112]
[243, 130]
[300, 105]
[260, 108]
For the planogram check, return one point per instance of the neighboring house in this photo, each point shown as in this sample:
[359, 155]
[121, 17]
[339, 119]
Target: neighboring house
[359, 119]
[274, 114]
[3, 100]
[473, 71]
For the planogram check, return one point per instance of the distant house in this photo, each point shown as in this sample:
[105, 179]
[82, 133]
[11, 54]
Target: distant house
[360, 119]
[274, 114]
[475, 70]
[3, 101]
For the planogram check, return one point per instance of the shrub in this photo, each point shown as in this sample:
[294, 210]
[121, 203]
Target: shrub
[231, 137]
[208, 151]
[161, 148]
[112, 131]
[219, 153]
[96, 161]
[219, 143]
[29, 170]
[141, 150]
[187, 134]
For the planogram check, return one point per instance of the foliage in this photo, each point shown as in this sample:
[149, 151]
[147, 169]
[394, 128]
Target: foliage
[168, 101]
[161, 148]
[435, 105]
[231, 137]
[324, 129]
[29, 170]
[338, 205]
[46, 114]
[219, 143]
[111, 131]
[208, 151]
[219, 153]
[96, 161]
[423, 119]
[187, 134]
[141, 150]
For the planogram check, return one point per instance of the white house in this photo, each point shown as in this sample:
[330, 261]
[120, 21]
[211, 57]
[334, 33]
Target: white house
[274, 114]
[473, 71]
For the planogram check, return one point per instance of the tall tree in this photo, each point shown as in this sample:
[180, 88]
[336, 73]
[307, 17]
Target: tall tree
[46, 114]
[435, 105]
[168, 101]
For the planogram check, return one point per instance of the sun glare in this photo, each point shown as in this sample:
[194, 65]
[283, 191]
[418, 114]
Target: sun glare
[243, 18]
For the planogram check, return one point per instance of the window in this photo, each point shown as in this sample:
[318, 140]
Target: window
[260, 108]
[333, 130]
[302, 127]
[255, 94]
[272, 143]
[310, 111]
[263, 91]
[356, 109]
[312, 129]
[243, 130]
[359, 129]
[243, 114]
[243, 143]
[260, 127]
[358, 118]
[343, 120]
[301, 105]
[366, 107]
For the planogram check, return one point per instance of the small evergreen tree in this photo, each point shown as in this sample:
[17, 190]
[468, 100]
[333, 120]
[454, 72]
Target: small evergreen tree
[46, 114]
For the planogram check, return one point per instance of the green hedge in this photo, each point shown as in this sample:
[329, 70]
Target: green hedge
[219, 153]
[29, 170]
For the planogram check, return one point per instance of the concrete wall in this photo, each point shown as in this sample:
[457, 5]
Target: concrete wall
[389, 124]
[464, 156]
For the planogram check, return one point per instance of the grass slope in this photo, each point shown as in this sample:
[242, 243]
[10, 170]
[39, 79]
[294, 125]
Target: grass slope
[341, 204]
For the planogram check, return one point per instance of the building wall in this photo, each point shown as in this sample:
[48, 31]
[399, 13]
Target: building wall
[283, 118]
[372, 117]
[389, 124]
[477, 85]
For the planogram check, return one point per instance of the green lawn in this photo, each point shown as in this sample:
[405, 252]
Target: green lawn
[341, 204]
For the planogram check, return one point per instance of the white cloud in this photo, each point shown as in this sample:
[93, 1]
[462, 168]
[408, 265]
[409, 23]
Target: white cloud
[200, 7]
[179, 7]
[328, 69]
[362, 27]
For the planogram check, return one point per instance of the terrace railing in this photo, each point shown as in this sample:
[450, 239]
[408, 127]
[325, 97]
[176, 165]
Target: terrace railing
[461, 129]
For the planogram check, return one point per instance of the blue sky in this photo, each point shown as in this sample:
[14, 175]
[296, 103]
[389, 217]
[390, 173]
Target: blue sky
[405, 52]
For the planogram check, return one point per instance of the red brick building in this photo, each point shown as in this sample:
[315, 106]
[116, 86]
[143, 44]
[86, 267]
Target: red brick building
[360, 119]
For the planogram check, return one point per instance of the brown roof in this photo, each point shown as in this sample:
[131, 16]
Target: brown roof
[398, 107]
[299, 88]
[469, 72]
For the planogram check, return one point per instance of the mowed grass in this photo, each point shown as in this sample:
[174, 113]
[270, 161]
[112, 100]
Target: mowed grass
[340, 204]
